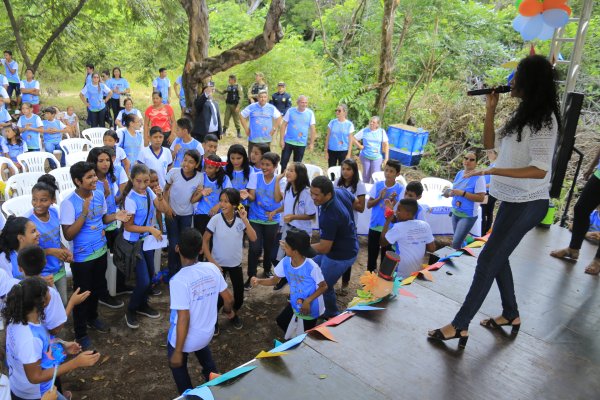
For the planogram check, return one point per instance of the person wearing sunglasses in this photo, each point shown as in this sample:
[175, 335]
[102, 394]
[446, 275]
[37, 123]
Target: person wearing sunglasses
[338, 141]
[466, 193]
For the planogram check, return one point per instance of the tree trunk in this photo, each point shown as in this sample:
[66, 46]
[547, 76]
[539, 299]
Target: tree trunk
[386, 57]
[46, 46]
[199, 67]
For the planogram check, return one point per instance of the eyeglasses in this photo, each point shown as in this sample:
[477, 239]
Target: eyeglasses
[338, 110]
[470, 159]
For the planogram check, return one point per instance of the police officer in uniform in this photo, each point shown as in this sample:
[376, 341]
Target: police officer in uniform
[258, 86]
[281, 99]
[233, 95]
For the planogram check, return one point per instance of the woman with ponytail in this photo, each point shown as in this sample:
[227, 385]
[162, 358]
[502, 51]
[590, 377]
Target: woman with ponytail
[17, 233]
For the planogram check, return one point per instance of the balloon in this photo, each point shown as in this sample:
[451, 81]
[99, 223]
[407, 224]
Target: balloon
[566, 8]
[546, 33]
[550, 4]
[532, 28]
[530, 8]
[519, 22]
[518, 3]
[555, 17]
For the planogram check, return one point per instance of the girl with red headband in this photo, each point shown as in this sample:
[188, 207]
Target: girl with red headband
[213, 180]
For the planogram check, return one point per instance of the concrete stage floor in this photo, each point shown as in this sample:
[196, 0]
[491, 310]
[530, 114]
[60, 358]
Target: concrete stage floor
[385, 354]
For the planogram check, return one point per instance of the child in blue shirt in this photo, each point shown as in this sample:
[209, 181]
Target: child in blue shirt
[381, 191]
[305, 278]
[31, 126]
[238, 170]
[53, 131]
[13, 145]
[184, 142]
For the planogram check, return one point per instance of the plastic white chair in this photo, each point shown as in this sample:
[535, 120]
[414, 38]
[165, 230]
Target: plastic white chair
[17, 206]
[72, 158]
[435, 185]
[313, 171]
[21, 184]
[335, 172]
[63, 178]
[75, 145]
[9, 164]
[380, 176]
[35, 161]
[401, 180]
[94, 135]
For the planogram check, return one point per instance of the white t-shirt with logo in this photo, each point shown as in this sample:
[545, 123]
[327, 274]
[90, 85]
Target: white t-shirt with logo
[227, 240]
[54, 311]
[159, 164]
[181, 190]
[305, 205]
[410, 238]
[22, 348]
[196, 288]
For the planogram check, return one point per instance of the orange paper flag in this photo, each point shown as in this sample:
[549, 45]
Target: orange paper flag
[324, 331]
[426, 274]
[213, 375]
[468, 251]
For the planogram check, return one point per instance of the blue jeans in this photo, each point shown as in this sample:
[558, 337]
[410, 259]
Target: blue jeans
[461, 226]
[144, 271]
[174, 228]
[50, 147]
[513, 221]
[181, 374]
[332, 271]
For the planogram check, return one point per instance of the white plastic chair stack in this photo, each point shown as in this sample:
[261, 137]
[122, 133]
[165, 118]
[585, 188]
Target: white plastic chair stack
[21, 184]
[75, 145]
[334, 172]
[17, 206]
[94, 135]
[7, 168]
[35, 161]
[63, 178]
[73, 158]
[63, 194]
[435, 185]
[313, 171]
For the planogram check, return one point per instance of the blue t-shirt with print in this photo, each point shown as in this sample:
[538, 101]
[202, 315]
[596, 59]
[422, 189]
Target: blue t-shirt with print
[298, 126]
[49, 238]
[31, 138]
[54, 138]
[339, 135]
[142, 213]
[302, 285]
[264, 201]
[132, 146]
[191, 145]
[120, 83]
[12, 78]
[162, 86]
[28, 97]
[378, 211]
[95, 96]
[208, 202]
[261, 121]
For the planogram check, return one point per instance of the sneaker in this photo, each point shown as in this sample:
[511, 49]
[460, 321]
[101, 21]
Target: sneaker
[85, 342]
[148, 311]
[98, 326]
[281, 284]
[247, 285]
[131, 319]
[111, 302]
[126, 289]
[155, 291]
[237, 322]
[217, 330]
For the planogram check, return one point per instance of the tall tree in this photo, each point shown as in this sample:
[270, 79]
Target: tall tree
[48, 43]
[386, 56]
[199, 67]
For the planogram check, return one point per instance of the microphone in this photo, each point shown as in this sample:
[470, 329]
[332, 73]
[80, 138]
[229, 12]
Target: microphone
[497, 89]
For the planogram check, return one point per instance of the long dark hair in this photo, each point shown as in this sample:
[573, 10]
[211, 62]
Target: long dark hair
[355, 176]
[220, 174]
[93, 159]
[302, 182]
[24, 297]
[15, 129]
[135, 171]
[9, 239]
[534, 82]
[238, 149]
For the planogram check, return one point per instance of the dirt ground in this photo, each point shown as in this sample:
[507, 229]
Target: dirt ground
[133, 363]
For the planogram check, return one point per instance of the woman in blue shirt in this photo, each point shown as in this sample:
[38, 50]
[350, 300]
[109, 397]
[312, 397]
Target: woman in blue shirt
[372, 142]
[95, 97]
[119, 86]
[339, 137]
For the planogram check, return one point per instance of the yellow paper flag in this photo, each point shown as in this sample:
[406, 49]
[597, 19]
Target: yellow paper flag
[266, 354]
[409, 280]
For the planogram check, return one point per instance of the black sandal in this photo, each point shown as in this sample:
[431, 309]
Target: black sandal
[438, 335]
[492, 324]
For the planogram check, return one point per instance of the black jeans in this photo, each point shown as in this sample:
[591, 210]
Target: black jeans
[284, 318]
[286, 153]
[88, 275]
[374, 250]
[513, 221]
[96, 119]
[266, 234]
[115, 107]
[200, 222]
[588, 200]
[236, 274]
[336, 157]
[487, 214]
[174, 228]
[181, 374]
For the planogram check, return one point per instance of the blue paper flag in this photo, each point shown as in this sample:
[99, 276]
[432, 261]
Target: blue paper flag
[229, 375]
[277, 343]
[364, 308]
[289, 344]
[451, 255]
[201, 391]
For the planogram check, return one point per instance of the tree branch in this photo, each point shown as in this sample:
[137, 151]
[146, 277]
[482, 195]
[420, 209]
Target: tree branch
[17, 32]
[324, 36]
[253, 6]
[56, 33]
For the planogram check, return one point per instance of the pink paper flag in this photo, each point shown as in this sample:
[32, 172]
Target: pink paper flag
[406, 293]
